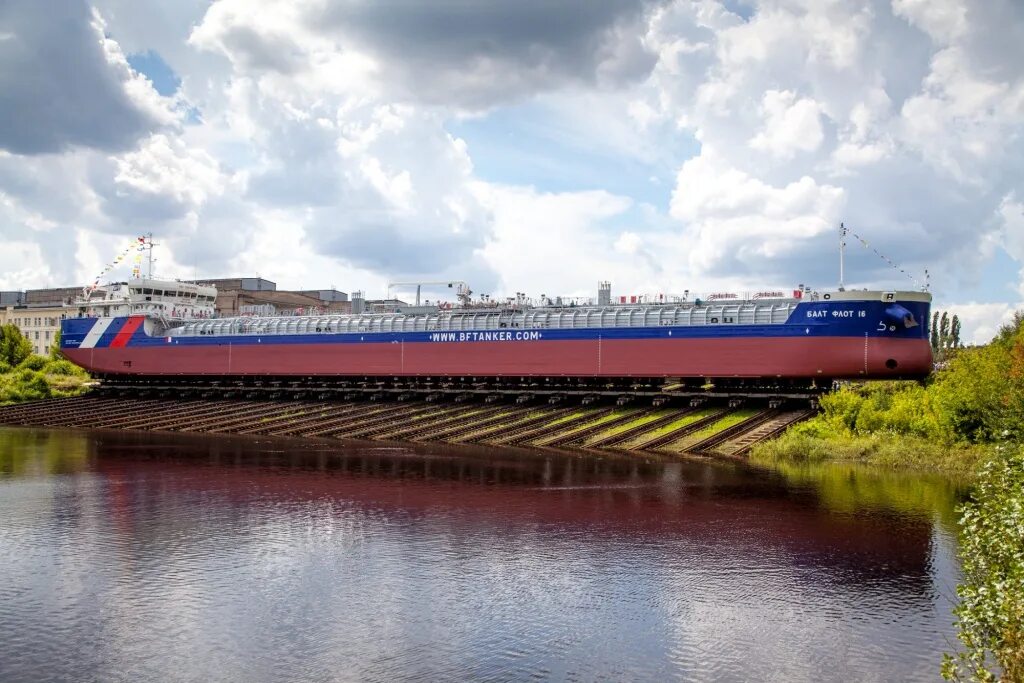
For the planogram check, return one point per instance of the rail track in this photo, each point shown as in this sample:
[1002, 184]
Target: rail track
[442, 415]
[169, 420]
[447, 430]
[478, 434]
[706, 446]
[469, 418]
[313, 417]
[659, 442]
[527, 435]
[340, 422]
[378, 421]
[606, 421]
[275, 420]
[770, 428]
[613, 440]
[339, 428]
[151, 416]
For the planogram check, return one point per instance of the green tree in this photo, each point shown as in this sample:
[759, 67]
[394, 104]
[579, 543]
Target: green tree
[935, 332]
[55, 353]
[14, 347]
[1010, 330]
[944, 331]
[955, 333]
[970, 394]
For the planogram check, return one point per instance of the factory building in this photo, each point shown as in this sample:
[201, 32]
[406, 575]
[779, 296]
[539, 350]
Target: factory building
[257, 296]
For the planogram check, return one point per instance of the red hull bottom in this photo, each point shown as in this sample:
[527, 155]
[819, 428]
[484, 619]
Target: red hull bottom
[833, 357]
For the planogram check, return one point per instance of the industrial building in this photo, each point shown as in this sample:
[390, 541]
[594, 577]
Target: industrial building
[257, 296]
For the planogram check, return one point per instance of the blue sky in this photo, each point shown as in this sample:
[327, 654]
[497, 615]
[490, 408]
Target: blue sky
[151, 65]
[535, 146]
[528, 144]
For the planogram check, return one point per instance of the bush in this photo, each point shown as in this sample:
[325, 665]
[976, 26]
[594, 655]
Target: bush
[39, 377]
[977, 399]
[892, 407]
[33, 362]
[990, 616]
[63, 368]
[23, 385]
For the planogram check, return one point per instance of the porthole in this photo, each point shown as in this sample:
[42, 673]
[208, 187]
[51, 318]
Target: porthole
[891, 364]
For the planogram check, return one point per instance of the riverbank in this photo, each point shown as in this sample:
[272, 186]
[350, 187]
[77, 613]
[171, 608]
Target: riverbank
[890, 451]
[972, 405]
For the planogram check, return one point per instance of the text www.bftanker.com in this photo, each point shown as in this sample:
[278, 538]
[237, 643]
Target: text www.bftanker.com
[485, 336]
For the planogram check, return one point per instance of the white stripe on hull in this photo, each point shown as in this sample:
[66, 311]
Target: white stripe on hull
[95, 333]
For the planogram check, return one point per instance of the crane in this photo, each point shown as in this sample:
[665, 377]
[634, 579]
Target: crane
[462, 290]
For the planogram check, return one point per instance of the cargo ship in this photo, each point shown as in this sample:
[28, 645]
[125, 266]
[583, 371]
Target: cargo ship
[148, 328]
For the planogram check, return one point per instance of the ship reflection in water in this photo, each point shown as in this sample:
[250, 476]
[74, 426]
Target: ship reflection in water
[168, 557]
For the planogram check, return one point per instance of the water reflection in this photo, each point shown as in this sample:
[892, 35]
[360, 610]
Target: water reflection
[854, 487]
[125, 556]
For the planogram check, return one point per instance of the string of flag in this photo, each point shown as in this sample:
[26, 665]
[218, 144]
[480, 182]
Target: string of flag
[880, 255]
[138, 245]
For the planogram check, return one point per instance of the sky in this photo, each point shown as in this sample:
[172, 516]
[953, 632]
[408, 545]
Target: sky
[528, 146]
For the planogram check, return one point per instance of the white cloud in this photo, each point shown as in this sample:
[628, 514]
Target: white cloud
[475, 56]
[549, 240]
[858, 113]
[318, 141]
[791, 125]
[981, 321]
[165, 166]
[1011, 211]
[943, 20]
[20, 262]
[849, 155]
[961, 121]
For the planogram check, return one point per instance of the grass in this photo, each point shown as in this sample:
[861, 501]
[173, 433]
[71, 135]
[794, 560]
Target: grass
[679, 423]
[566, 418]
[67, 385]
[631, 424]
[889, 451]
[730, 420]
[580, 427]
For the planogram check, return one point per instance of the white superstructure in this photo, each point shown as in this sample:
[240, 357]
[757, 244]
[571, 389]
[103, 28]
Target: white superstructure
[157, 298]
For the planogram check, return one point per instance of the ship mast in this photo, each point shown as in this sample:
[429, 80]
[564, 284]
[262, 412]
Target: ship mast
[842, 256]
[149, 247]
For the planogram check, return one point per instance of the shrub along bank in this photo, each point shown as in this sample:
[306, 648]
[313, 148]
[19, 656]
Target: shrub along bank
[972, 404]
[990, 614]
[25, 376]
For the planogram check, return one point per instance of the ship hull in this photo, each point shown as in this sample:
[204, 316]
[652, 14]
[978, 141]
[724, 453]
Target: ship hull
[833, 357]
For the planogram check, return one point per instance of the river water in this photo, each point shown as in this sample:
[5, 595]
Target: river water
[156, 557]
